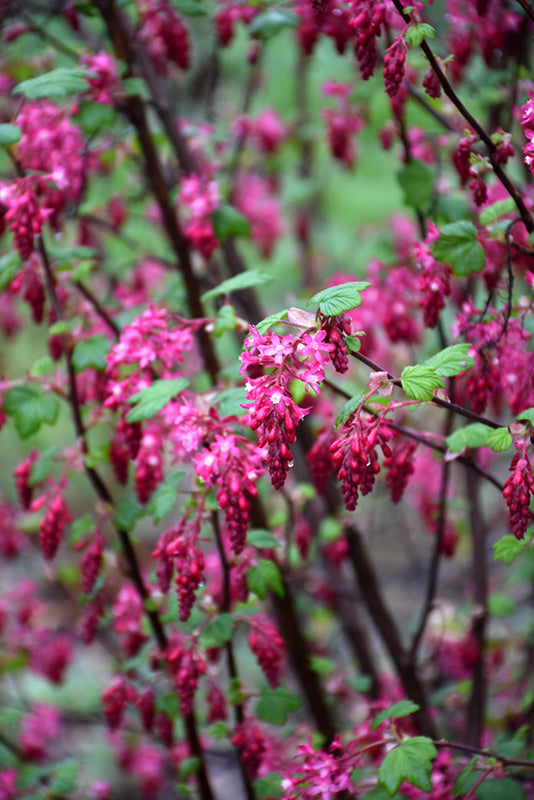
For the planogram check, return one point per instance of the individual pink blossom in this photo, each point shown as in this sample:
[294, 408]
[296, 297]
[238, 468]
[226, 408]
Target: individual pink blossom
[217, 710]
[104, 79]
[128, 613]
[114, 701]
[268, 646]
[266, 131]
[394, 59]
[186, 666]
[255, 199]
[53, 525]
[39, 730]
[400, 467]
[200, 197]
[165, 35]
[50, 654]
[8, 787]
[369, 16]
[318, 773]
[250, 742]
[342, 123]
[149, 462]
[12, 539]
[518, 490]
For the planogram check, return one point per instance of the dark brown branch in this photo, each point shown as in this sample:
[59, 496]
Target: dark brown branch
[477, 702]
[437, 401]
[232, 668]
[527, 8]
[385, 625]
[510, 187]
[135, 111]
[477, 751]
[99, 308]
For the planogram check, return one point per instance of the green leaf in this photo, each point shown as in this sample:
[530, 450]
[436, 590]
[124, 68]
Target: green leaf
[263, 577]
[500, 789]
[262, 539]
[499, 439]
[43, 366]
[266, 323]
[495, 210]
[226, 320]
[353, 343]
[463, 781]
[419, 382]
[349, 408]
[451, 361]
[64, 778]
[340, 298]
[128, 512]
[322, 666]
[219, 730]
[228, 222]
[80, 528]
[235, 692]
[268, 788]
[30, 409]
[164, 498]
[508, 548]
[410, 761]
[217, 632]
[189, 766]
[155, 397]
[270, 22]
[402, 709]
[475, 435]
[458, 246]
[416, 180]
[42, 467]
[275, 704]
[191, 8]
[169, 704]
[500, 605]
[415, 34]
[64, 256]
[60, 82]
[229, 402]
[528, 415]
[9, 134]
[252, 277]
[9, 266]
[91, 353]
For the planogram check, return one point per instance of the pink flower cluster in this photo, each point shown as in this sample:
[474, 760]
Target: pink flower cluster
[355, 457]
[518, 489]
[200, 196]
[271, 408]
[165, 35]
[342, 123]
[233, 464]
[155, 339]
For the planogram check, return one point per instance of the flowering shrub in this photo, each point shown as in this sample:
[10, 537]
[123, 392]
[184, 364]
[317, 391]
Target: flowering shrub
[266, 399]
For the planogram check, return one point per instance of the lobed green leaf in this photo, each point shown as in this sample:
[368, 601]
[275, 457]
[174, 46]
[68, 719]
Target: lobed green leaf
[275, 704]
[458, 246]
[337, 299]
[420, 381]
[410, 761]
[155, 397]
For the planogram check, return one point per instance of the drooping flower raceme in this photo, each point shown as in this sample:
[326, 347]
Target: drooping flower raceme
[271, 408]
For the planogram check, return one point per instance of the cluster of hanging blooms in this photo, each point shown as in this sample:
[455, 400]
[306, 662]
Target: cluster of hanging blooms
[519, 488]
[270, 362]
[355, 457]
